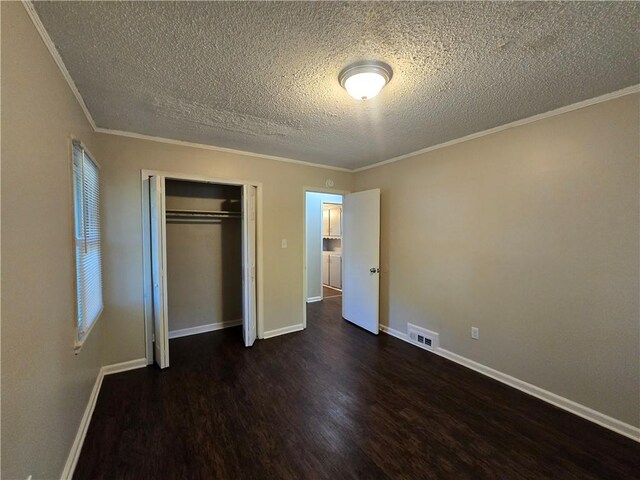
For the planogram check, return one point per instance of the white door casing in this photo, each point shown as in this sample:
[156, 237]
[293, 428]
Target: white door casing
[159, 271]
[361, 259]
[249, 264]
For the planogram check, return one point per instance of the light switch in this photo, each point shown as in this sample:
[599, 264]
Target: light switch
[284, 243]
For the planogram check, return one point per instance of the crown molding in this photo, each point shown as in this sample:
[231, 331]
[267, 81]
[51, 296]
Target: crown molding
[205, 146]
[541, 116]
[28, 5]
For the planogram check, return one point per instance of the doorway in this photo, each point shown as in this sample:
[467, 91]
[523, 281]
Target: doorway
[202, 265]
[342, 253]
[323, 241]
[320, 246]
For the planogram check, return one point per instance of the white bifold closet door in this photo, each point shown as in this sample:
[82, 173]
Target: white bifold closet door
[249, 264]
[159, 271]
[361, 259]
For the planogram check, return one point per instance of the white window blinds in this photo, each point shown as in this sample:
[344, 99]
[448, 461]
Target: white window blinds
[88, 247]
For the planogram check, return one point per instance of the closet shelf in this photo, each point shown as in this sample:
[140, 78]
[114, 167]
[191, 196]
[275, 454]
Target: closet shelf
[173, 214]
[203, 212]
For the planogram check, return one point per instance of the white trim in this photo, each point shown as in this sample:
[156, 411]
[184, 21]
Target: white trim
[142, 136]
[124, 366]
[56, 58]
[397, 333]
[332, 288]
[552, 113]
[211, 327]
[74, 453]
[561, 402]
[283, 331]
[314, 299]
[76, 447]
[259, 262]
[147, 296]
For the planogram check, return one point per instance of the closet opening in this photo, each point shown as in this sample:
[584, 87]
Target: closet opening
[204, 257]
[201, 259]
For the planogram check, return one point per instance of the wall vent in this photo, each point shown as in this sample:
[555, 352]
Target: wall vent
[422, 337]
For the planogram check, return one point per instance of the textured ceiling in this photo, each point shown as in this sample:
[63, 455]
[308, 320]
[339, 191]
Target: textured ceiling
[262, 76]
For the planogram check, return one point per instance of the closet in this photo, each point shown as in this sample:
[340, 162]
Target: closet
[204, 256]
[203, 259]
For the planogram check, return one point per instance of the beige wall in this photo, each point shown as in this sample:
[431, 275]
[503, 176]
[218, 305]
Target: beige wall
[45, 387]
[530, 234]
[123, 158]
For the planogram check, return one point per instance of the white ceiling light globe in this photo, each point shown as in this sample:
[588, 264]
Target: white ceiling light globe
[364, 80]
[366, 85]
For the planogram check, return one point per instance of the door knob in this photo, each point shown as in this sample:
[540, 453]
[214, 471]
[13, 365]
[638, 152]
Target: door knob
[374, 270]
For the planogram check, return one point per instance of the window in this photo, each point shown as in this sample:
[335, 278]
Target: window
[88, 248]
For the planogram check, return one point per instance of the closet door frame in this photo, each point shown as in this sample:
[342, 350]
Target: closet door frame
[146, 246]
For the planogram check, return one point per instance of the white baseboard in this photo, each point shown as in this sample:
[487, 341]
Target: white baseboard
[397, 334]
[76, 447]
[211, 327]
[74, 454]
[561, 402]
[332, 288]
[313, 299]
[124, 366]
[282, 331]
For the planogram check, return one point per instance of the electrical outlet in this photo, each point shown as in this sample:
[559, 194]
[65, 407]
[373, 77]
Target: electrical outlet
[284, 243]
[475, 333]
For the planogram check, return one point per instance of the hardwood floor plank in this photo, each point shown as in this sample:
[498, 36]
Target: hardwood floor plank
[334, 402]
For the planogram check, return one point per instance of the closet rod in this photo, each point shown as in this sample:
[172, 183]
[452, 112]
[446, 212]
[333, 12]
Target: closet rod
[203, 213]
[214, 221]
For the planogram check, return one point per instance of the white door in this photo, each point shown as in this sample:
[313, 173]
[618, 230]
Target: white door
[249, 264]
[361, 259]
[158, 271]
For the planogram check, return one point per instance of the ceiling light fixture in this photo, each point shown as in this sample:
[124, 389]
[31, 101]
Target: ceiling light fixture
[364, 80]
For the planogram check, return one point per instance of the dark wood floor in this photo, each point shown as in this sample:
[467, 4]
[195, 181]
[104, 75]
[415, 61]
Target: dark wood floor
[333, 402]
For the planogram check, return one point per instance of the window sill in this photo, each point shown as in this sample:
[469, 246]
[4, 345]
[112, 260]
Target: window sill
[79, 343]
